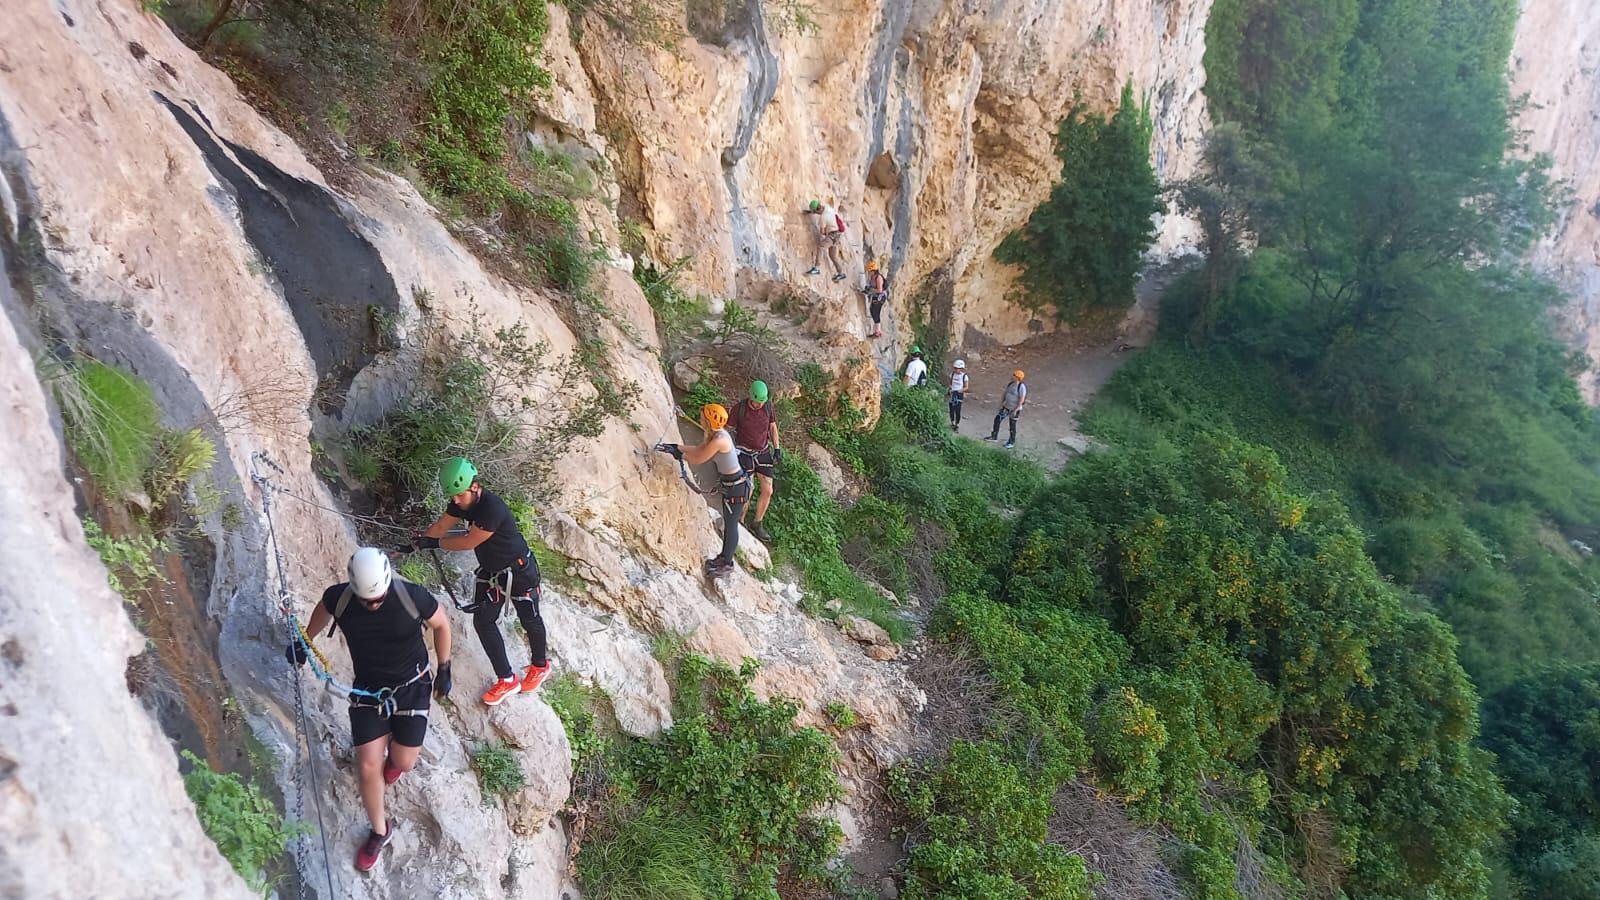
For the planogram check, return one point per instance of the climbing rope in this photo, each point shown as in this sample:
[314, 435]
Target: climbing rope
[286, 609]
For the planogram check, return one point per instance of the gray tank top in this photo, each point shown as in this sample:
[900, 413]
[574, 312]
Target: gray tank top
[727, 460]
[1015, 391]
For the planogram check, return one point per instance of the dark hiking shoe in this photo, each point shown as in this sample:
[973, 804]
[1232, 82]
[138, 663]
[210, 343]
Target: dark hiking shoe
[760, 531]
[367, 856]
[813, 271]
[838, 276]
[716, 568]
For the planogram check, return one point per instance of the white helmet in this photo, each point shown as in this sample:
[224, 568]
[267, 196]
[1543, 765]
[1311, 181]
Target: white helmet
[961, 364]
[370, 573]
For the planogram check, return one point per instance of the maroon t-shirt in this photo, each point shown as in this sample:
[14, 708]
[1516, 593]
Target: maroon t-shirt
[752, 428]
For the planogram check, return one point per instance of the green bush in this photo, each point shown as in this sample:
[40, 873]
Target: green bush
[725, 804]
[499, 773]
[1082, 249]
[130, 561]
[980, 831]
[243, 823]
[678, 313]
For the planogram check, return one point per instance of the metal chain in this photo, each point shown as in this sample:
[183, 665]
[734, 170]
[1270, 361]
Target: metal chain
[285, 609]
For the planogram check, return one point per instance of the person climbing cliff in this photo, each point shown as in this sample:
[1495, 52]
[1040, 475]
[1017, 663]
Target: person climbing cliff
[830, 233]
[389, 709]
[958, 392]
[877, 293]
[1011, 404]
[735, 482]
[916, 373]
[755, 436]
[506, 568]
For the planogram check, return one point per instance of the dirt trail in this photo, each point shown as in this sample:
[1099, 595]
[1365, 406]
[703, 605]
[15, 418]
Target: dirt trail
[1064, 370]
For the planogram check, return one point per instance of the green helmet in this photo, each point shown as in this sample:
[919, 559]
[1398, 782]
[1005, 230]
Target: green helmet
[916, 349]
[758, 391]
[816, 206]
[456, 475]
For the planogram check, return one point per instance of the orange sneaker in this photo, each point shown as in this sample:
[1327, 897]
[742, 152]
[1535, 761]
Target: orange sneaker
[500, 690]
[533, 676]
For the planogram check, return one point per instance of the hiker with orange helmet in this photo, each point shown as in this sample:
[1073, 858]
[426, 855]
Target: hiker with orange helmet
[877, 291]
[735, 482]
[1011, 403]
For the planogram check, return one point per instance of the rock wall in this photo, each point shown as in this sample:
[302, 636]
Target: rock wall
[1556, 62]
[171, 230]
[931, 124]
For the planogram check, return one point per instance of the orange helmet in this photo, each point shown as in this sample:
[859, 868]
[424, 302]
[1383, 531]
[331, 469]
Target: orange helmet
[872, 265]
[714, 414]
[1017, 374]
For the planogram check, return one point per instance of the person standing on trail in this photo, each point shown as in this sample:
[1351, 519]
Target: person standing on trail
[877, 291]
[916, 373]
[719, 446]
[755, 436]
[389, 714]
[1011, 404]
[958, 392]
[506, 568]
[830, 232]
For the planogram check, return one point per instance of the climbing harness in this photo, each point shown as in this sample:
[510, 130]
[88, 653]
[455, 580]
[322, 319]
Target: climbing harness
[383, 701]
[296, 633]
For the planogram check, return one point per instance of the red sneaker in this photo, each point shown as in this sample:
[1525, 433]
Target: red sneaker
[367, 856]
[500, 690]
[533, 676]
[390, 773]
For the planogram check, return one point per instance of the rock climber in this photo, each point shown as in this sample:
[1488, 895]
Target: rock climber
[735, 482]
[830, 232]
[1011, 404]
[877, 291]
[916, 373]
[958, 392]
[506, 568]
[755, 436]
[389, 715]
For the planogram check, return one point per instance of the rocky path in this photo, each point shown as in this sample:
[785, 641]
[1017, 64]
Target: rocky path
[1064, 371]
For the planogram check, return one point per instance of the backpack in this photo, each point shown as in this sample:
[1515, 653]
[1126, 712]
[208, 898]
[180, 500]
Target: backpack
[839, 219]
[405, 601]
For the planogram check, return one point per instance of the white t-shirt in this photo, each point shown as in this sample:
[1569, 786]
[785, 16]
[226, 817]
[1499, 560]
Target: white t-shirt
[958, 381]
[916, 370]
[828, 219]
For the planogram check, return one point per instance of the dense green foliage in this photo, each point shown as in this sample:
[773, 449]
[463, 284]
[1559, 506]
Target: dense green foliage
[1546, 731]
[243, 823]
[1081, 249]
[724, 804]
[113, 425]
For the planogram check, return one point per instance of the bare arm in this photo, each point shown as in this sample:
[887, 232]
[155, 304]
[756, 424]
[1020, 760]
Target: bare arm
[440, 625]
[319, 619]
[471, 539]
[774, 430]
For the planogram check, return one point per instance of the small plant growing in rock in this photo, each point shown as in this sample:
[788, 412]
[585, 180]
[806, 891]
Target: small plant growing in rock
[130, 562]
[841, 715]
[240, 820]
[499, 773]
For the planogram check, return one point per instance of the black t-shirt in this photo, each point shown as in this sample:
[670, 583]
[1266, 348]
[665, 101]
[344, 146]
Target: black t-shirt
[386, 646]
[505, 545]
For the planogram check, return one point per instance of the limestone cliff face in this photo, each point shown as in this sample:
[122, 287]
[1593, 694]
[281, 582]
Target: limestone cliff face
[930, 123]
[1556, 62]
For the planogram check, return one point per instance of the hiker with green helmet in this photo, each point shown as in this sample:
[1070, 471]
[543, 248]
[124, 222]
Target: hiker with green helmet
[916, 373]
[755, 436]
[506, 568]
[830, 232]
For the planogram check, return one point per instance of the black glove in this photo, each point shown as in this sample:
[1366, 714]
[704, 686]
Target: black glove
[672, 450]
[295, 654]
[777, 454]
[403, 549]
[442, 681]
[424, 542]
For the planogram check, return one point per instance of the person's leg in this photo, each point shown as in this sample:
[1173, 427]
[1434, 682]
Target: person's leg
[835, 257]
[486, 621]
[533, 624]
[732, 511]
[995, 431]
[765, 497]
[406, 732]
[369, 777]
[1013, 439]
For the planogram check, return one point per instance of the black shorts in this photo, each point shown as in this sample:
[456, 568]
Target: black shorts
[763, 463]
[368, 723]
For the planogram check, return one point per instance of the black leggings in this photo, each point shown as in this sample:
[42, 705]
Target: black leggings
[486, 619]
[995, 432]
[955, 406]
[733, 502]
